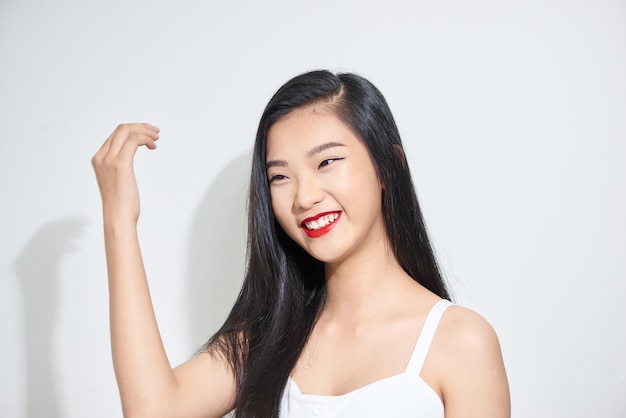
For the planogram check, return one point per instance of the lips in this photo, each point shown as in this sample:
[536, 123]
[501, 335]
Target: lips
[320, 224]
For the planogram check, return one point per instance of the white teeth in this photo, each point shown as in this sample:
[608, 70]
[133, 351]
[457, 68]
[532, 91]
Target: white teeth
[321, 222]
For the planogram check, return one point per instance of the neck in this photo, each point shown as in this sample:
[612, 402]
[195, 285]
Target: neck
[365, 286]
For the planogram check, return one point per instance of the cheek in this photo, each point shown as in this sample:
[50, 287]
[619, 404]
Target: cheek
[281, 209]
[366, 193]
[276, 206]
[358, 185]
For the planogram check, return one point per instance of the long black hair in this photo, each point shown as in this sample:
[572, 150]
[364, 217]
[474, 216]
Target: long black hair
[284, 288]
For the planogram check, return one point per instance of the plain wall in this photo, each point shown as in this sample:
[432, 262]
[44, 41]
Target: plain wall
[513, 115]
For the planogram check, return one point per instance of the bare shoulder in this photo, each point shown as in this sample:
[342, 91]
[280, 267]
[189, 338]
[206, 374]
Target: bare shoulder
[466, 368]
[464, 332]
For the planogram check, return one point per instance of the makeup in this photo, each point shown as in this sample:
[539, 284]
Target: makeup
[320, 224]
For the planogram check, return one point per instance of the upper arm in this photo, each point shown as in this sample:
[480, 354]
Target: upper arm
[205, 387]
[468, 362]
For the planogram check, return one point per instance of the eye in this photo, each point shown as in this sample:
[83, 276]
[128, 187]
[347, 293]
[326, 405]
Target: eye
[276, 177]
[328, 161]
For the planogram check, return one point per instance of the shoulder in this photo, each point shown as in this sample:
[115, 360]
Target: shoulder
[465, 364]
[463, 332]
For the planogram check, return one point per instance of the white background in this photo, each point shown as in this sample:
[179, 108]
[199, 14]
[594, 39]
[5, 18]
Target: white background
[513, 115]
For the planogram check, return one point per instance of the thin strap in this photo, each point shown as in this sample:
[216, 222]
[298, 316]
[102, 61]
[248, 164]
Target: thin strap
[426, 336]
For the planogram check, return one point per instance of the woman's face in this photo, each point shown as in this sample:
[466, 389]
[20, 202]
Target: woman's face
[324, 189]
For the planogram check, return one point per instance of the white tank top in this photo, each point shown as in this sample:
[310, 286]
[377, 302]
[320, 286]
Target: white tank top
[402, 395]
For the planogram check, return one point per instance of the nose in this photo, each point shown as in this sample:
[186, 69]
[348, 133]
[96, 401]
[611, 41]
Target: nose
[309, 192]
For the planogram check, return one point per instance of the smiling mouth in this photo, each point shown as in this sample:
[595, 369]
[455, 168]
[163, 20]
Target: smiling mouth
[321, 224]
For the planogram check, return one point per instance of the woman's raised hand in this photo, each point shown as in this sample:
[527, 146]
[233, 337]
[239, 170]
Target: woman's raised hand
[113, 164]
[204, 385]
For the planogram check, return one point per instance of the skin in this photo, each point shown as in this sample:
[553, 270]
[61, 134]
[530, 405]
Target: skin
[374, 310]
[149, 387]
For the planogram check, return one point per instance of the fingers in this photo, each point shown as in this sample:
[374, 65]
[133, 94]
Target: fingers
[122, 144]
[128, 137]
[113, 166]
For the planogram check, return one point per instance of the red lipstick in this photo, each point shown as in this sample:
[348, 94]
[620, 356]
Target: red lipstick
[330, 218]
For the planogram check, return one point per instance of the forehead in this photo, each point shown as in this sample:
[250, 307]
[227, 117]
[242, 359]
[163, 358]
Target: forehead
[303, 129]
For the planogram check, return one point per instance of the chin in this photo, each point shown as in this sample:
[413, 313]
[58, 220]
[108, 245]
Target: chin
[325, 257]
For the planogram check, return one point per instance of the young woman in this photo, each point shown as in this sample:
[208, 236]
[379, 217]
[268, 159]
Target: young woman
[343, 311]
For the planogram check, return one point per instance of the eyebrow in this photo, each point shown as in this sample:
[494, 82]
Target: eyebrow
[311, 153]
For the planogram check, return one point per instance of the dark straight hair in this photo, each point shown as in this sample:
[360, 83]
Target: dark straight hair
[284, 287]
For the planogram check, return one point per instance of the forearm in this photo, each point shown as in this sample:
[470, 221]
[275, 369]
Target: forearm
[148, 386]
[144, 375]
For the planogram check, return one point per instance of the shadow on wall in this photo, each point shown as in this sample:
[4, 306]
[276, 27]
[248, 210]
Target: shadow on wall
[37, 268]
[216, 250]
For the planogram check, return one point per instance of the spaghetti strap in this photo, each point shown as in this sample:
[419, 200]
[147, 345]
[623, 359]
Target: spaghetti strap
[426, 336]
